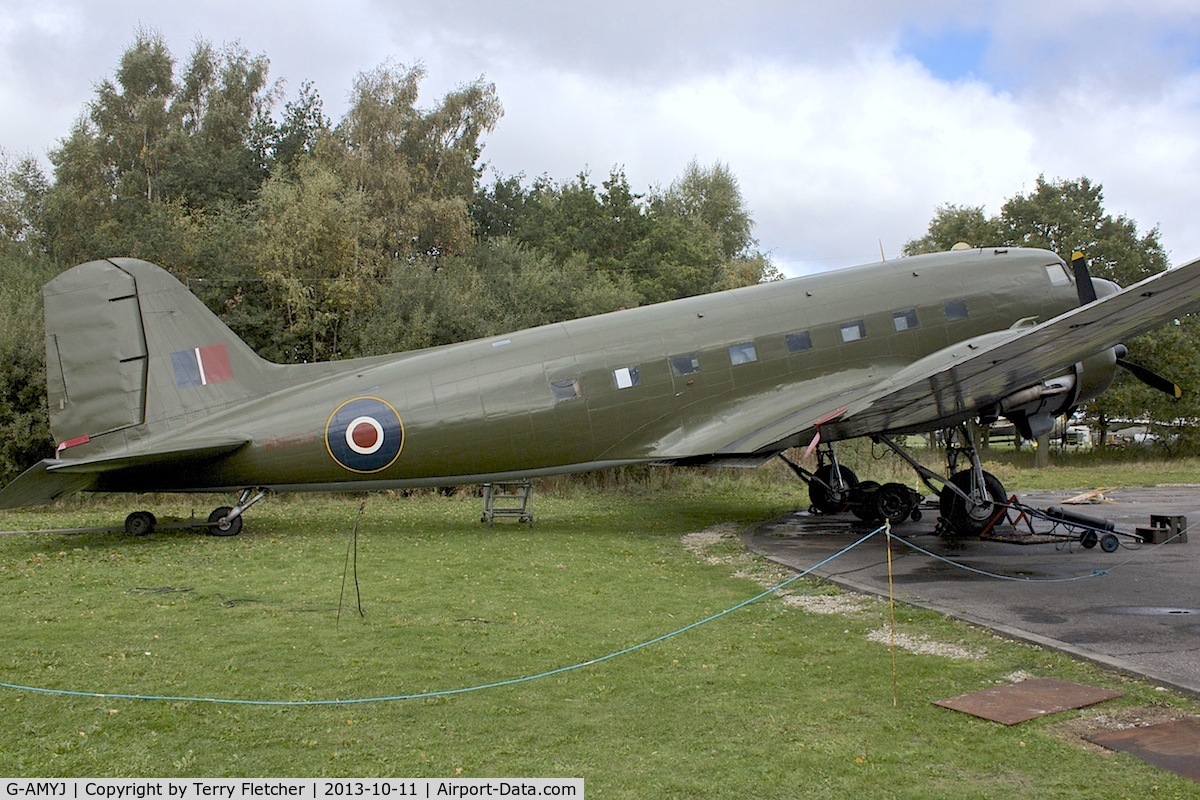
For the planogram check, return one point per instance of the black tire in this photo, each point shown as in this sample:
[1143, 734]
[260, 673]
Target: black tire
[823, 498]
[1109, 543]
[963, 521]
[220, 525]
[894, 502]
[863, 506]
[140, 523]
[1088, 539]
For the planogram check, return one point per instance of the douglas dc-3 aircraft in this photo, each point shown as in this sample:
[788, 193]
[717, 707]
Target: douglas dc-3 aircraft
[151, 392]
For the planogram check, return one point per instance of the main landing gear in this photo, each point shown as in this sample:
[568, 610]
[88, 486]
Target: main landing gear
[833, 488]
[969, 501]
[223, 521]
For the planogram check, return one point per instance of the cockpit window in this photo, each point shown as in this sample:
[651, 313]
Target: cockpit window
[1058, 275]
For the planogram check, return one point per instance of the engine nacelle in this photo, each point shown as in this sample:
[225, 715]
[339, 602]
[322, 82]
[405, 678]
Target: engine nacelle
[1034, 409]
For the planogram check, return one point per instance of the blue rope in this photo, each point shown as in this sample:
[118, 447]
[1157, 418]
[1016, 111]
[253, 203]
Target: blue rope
[446, 692]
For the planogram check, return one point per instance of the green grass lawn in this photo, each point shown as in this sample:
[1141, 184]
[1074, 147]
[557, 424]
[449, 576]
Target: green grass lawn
[771, 700]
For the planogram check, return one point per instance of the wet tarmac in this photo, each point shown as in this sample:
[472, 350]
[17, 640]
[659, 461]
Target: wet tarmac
[1136, 610]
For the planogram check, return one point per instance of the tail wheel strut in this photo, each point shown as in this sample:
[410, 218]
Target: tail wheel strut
[226, 520]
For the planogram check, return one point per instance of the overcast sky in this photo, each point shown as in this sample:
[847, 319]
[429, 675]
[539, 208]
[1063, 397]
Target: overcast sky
[847, 124]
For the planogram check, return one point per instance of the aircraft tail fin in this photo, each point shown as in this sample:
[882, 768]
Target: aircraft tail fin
[129, 348]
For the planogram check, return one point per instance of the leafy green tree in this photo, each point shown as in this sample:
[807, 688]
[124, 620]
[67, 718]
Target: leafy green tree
[710, 199]
[317, 272]
[23, 188]
[24, 424]
[952, 224]
[148, 139]
[222, 112]
[417, 169]
[1066, 216]
[304, 123]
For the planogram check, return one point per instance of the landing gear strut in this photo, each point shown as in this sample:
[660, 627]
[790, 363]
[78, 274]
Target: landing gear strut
[226, 521]
[832, 485]
[971, 500]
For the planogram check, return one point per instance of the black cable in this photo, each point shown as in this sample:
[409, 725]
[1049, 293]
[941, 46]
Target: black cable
[352, 546]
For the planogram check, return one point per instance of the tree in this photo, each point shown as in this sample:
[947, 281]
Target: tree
[417, 170]
[23, 188]
[147, 140]
[304, 123]
[953, 224]
[221, 109]
[710, 199]
[1065, 216]
[313, 235]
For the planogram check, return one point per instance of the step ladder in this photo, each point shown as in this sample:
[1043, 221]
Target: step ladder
[508, 500]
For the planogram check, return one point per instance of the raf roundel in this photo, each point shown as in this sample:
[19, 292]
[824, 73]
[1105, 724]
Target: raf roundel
[364, 435]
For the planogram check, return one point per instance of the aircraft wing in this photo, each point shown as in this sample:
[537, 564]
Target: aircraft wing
[958, 382]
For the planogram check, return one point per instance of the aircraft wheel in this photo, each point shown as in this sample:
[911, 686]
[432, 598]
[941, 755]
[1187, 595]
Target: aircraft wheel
[864, 505]
[1109, 543]
[827, 500]
[140, 523]
[893, 502]
[965, 519]
[1088, 539]
[220, 525]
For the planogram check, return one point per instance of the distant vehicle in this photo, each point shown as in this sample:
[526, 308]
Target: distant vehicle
[150, 392]
[1077, 437]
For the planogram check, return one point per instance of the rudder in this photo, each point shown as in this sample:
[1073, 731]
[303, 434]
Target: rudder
[127, 345]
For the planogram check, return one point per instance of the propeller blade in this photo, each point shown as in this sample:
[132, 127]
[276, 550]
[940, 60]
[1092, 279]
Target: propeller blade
[1083, 279]
[1151, 379]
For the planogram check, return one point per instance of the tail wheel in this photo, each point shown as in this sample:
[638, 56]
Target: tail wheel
[971, 519]
[140, 523]
[219, 523]
[826, 496]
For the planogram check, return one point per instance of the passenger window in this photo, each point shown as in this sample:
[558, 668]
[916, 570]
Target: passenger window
[853, 331]
[956, 309]
[798, 341]
[565, 389]
[905, 320]
[626, 377]
[743, 353]
[684, 365]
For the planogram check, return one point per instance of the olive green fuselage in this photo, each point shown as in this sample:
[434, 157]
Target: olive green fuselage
[678, 380]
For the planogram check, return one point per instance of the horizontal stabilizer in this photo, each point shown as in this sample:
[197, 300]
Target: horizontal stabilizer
[38, 485]
[180, 450]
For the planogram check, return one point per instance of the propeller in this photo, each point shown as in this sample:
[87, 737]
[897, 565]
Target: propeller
[1086, 289]
[1083, 279]
[1147, 375]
